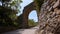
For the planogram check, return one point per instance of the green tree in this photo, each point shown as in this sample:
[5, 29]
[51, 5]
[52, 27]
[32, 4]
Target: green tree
[31, 22]
[8, 11]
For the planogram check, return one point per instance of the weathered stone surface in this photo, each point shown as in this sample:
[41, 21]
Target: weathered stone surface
[49, 19]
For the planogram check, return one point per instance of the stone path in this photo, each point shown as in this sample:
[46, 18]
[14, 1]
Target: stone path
[24, 31]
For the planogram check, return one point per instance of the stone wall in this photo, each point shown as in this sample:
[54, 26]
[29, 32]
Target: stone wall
[49, 20]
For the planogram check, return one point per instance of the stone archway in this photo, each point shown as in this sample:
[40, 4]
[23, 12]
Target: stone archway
[26, 12]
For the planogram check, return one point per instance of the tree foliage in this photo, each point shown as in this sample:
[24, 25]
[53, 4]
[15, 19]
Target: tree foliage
[31, 22]
[8, 11]
[13, 4]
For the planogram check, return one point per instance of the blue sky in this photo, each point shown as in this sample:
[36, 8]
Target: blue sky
[33, 14]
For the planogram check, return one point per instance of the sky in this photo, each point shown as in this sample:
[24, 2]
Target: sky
[33, 14]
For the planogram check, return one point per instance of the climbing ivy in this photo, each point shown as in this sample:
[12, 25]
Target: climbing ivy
[38, 4]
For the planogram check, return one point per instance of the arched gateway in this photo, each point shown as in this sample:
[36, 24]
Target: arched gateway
[26, 11]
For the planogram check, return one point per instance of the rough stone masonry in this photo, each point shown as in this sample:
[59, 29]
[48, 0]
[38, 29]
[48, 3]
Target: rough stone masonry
[49, 17]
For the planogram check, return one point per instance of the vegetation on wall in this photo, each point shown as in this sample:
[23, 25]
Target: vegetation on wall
[38, 4]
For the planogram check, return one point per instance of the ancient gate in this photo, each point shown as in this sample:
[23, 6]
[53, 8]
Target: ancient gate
[26, 12]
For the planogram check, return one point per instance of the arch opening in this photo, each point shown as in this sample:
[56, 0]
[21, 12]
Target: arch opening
[32, 18]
